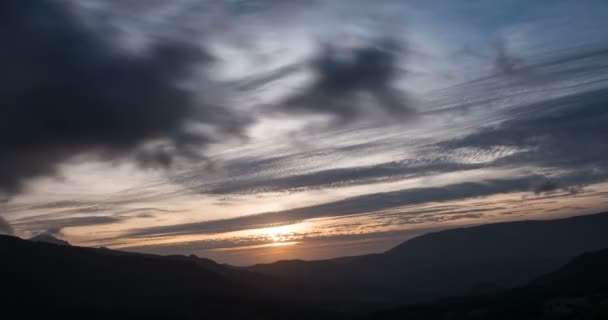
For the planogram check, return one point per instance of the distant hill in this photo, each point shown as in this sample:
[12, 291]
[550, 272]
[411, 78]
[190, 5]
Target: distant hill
[66, 282]
[47, 238]
[451, 262]
[578, 290]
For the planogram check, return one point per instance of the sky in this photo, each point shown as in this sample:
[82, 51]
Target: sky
[254, 131]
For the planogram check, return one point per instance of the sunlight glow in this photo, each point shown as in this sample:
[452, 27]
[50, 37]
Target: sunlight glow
[278, 234]
[267, 245]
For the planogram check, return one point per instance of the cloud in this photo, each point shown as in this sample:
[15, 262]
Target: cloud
[546, 136]
[5, 227]
[354, 205]
[62, 204]
[545, 186]
[506, 62]
[348, 81]
[54, 231]
[55, 226]
[339, 177]
[259, 81]
[541, 134]
[247, 242]
[67, 89]
[565, 134]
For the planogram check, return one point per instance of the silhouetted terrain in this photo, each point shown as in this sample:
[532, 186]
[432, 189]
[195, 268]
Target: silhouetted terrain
[58, 280]
[42, 279]
[579, 290]
[452, 262]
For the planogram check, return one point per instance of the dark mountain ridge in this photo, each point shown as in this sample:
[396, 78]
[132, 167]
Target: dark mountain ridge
[42, 279]
[451, 262]
[578, 290]
[66, 281]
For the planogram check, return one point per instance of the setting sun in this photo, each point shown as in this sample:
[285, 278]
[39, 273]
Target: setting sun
[276, 234]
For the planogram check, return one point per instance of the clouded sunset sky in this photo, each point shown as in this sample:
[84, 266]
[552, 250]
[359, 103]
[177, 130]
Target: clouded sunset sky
[253, 131]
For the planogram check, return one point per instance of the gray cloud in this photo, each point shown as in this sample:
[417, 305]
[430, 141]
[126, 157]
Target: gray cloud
[55, 226]
[259, 81]
[348, 81]
[545, 186]
[67, 90]
[548, 186]
[5, 227]
[566, 133]
[506, 62]
[333, 178]
[63, 204]
[350, 206]
[544, 134]
[54, 231]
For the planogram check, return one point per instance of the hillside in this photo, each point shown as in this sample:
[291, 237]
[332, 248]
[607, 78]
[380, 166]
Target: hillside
[578, 290]
[42, 279]
[451, 262]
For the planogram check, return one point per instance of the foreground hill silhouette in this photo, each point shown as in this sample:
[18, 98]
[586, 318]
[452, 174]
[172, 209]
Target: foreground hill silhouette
[48, 279]
[460, 261]
[65, 282]
[578, 290]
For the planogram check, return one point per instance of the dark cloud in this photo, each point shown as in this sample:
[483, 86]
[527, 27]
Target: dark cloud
[63, 204]
[67, 90]
[545, 186]
[548, 186]
[5, 227]
[258, 82]
[55, 226]
[506, 62]
[54, 231]
[348, 82]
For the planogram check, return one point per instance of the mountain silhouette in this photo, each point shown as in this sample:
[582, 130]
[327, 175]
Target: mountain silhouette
[485, 270]
[67, 282]
[451, 262]
[578, 290]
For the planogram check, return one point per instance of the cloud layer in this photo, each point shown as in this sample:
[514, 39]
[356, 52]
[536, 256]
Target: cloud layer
[318, 94]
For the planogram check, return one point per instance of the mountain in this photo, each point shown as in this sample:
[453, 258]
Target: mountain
[47, 238]
[578, 290]
[487, 262]
[447, 263]
[43, 279]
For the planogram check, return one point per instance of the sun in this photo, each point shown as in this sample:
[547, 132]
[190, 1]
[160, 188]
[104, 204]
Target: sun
[277, 234]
